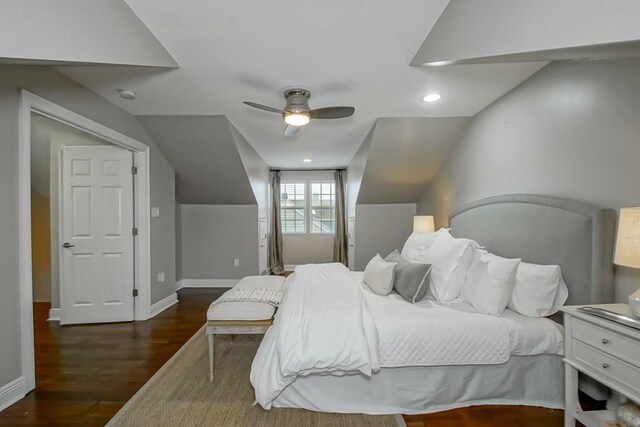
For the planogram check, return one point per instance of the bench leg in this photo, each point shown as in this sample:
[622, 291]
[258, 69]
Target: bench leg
[210, 339]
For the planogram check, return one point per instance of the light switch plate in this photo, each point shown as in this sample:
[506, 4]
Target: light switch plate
[236, 262]
[161, 277]
[155, 212]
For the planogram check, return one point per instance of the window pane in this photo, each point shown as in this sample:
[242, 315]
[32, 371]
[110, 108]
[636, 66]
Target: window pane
[292, 207]
[322, 204]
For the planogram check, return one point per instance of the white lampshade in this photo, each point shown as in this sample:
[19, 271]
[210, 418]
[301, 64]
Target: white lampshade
[423, 224]
[628, 240]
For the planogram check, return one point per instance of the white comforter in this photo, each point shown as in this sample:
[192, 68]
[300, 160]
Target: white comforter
[410, 335]
[323, 326]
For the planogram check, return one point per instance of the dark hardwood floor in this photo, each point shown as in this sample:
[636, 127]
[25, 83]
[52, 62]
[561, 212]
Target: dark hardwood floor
[85, 374]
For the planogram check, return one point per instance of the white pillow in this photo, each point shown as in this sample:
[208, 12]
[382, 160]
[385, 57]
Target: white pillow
[539, 291]
[450, 259]
[489, 283]
[378, 275]
[416, 246]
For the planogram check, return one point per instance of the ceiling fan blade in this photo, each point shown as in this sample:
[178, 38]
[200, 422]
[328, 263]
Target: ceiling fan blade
[332, 112]
[292, 130]
[263, 107]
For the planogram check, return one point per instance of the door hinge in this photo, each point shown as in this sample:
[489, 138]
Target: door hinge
[134, 231]
[135, 293]
[134, 170]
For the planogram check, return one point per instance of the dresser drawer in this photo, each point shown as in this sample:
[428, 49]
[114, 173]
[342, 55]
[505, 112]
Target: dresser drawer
[610, 342]
[607, 365]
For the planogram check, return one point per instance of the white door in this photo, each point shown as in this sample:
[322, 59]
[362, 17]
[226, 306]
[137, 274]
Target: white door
[96, 235]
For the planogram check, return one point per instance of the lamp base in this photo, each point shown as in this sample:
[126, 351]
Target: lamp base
[634, 303]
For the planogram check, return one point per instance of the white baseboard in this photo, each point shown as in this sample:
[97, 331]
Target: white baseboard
[207, 283]
[11, 393]
[290, 267]
[163, 304]
[54, 315]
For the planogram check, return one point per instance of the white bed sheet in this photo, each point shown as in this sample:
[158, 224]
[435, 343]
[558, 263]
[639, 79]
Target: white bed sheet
[528, 336]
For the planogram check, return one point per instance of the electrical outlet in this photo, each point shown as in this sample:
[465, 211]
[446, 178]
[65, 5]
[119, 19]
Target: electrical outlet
[155, 212]
[236, 262]
[161, 277]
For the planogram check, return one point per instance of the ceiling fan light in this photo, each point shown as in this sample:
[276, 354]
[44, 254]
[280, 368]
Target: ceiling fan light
[297, 119]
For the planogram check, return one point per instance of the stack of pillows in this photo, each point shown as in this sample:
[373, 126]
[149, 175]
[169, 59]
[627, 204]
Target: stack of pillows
[453, 270]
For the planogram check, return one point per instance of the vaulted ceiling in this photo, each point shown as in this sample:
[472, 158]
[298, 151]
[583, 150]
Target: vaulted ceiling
[192, 63]
[347, 53]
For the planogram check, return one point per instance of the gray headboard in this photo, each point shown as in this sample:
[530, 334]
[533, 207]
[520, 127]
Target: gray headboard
[547, 230]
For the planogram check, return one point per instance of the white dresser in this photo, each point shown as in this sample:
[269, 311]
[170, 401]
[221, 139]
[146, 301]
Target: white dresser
[603, 350]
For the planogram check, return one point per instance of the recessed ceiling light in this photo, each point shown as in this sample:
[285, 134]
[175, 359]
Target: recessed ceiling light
[129, 95]
[307, 160]
[432, 97]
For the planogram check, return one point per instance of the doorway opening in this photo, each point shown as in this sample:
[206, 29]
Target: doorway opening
[81, 225]
[84, 223]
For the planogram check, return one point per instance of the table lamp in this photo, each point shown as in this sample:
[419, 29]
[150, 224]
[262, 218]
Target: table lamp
[628, 248]
[423, 224]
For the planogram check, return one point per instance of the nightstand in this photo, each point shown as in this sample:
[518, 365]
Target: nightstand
[604, 350]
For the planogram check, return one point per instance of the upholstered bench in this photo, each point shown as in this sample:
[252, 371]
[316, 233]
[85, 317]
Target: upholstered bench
[241, 317]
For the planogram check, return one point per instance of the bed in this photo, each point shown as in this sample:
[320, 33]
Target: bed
[521, 366]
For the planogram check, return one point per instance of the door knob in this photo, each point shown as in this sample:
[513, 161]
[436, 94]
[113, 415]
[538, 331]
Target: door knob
[67, 245]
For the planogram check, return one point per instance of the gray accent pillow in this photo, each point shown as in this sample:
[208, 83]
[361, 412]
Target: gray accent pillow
[411, 280]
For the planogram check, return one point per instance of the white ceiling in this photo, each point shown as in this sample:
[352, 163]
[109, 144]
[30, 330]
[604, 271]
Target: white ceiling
[348, 53]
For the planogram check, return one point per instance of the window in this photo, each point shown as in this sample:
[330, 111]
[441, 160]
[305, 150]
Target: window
[293, 207]
[323, 211]
[315, 213]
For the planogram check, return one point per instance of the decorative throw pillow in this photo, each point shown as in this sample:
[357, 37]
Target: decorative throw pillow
[417, 244]
[378, 275]
[411, 280]
[450, 259]
[490, 282]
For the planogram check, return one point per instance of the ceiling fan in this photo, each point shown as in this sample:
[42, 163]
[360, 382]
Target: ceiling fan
[296, 112]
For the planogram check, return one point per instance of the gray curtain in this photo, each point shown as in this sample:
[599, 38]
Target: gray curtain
[340, 244]
[275, 243]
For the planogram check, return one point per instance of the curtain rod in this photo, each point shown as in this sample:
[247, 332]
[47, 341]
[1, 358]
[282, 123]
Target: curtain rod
[308, 170]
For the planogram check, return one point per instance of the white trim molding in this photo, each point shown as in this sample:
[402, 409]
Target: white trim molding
[207, 283]
[54, 315]
[30, 103]
[11, 393]
[163, 304]
[290, 267]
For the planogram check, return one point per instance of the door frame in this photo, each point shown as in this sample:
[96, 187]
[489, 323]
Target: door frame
[31, 103]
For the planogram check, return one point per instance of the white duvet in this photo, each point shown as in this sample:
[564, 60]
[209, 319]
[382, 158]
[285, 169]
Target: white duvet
[329, 324]
[410, 335]
[323, 326]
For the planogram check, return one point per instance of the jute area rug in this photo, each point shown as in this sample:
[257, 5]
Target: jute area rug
[180, 394]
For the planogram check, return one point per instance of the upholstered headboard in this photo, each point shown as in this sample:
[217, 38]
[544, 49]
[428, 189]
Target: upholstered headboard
[547, 230]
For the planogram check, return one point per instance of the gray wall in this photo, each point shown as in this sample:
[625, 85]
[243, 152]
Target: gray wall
[211, 236]
[572, 130]
[307, 248]
[404, 155]
[479, 29]
[78, 31]
[178, 214]
[258, 173]
[381, 229]
[52, 85]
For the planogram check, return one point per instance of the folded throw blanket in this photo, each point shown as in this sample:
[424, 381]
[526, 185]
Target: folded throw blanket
[265, 295]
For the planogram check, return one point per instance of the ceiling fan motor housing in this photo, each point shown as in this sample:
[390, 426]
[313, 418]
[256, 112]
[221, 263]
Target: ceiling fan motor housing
[297, 100]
